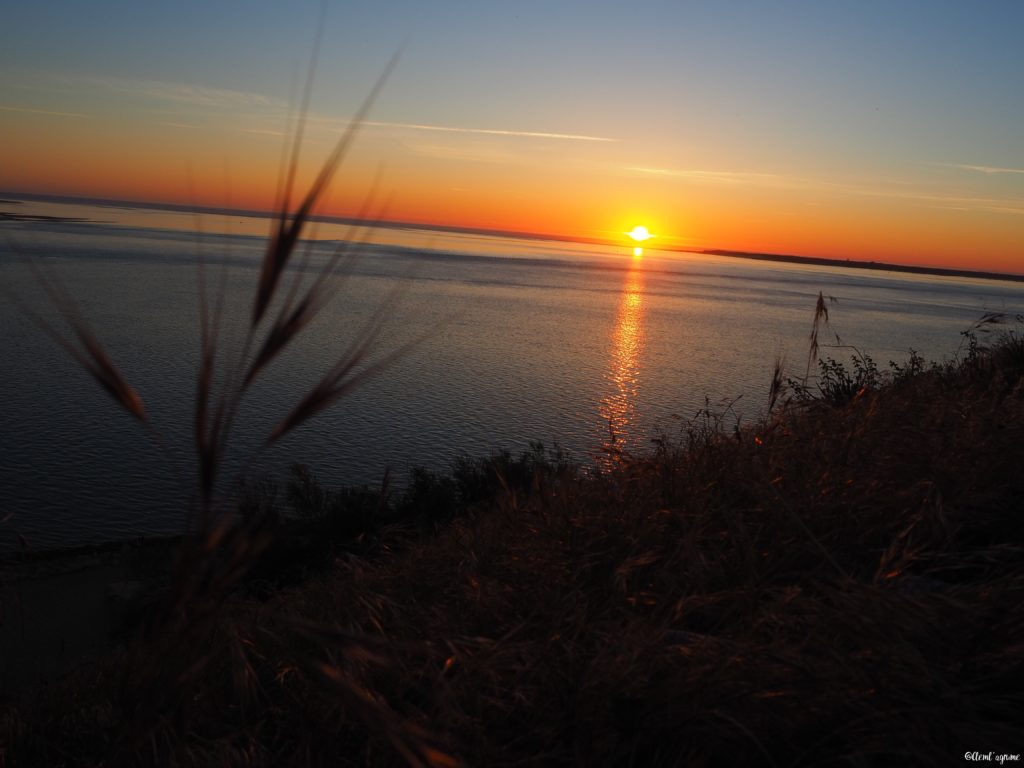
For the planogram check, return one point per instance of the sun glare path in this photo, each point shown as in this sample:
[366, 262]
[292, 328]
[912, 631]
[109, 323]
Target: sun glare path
[628, 339]
[640, 234]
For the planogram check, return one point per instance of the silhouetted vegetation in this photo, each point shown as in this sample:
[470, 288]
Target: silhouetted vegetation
[841, 583]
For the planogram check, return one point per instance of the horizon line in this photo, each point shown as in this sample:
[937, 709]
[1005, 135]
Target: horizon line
[320, 217]
[526, 235]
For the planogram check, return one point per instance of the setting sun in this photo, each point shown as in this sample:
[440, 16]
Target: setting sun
[640, 233]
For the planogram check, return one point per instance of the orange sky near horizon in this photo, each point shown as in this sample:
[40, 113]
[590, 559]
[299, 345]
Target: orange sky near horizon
[115, 160]
[793, 142]
[84, 158]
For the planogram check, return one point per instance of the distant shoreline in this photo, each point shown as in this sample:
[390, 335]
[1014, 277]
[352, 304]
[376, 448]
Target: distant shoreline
[776, 257]
[875, 265]
[251, 213]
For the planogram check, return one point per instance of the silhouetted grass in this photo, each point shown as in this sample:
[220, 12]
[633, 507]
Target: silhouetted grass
[841, 583]
[166, 670]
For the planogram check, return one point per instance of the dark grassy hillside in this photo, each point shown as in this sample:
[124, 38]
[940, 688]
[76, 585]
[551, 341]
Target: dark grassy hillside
[841, 584]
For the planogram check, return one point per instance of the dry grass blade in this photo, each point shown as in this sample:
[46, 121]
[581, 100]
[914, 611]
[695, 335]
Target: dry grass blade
[292, 318]
[208, 440]
[820, 319]
[410, 741]
[283, 331]
[990, 318]
[289, 226]
[984, 323]
[820, 314]
[106, 374]
[204, 440]
[90, 354]
[778, 381]
[346, 374]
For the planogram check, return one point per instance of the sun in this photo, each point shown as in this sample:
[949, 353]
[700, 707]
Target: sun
[640, 233]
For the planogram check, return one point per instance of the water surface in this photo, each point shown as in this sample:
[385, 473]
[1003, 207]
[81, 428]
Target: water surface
[523, 340]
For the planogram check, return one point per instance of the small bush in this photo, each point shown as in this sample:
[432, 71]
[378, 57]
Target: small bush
[836, 385]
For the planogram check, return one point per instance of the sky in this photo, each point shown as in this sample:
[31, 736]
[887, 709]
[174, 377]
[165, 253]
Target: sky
[885, 131]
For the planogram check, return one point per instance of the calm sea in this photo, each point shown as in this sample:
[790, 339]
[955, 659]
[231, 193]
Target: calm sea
[524, 340]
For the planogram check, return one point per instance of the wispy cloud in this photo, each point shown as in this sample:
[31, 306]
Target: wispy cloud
[956, 202]
[264, 132]
[86, 86]
[182, 93]
[171, 124]
[43, 112]
[880, 190]
[489, 131]
[468, 151]
[723, 177]
[988, 170]
[196, 94]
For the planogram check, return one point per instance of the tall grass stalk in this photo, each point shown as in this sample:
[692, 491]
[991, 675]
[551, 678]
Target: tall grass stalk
[169, 667]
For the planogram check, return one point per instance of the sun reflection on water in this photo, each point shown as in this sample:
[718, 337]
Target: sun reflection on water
[618, 407]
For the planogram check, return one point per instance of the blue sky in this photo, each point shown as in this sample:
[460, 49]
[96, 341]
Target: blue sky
[917, 100]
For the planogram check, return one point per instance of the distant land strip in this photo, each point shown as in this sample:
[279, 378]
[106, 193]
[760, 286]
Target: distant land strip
[876, 265]
[389, 224]
[344, 220]
[4, 216]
